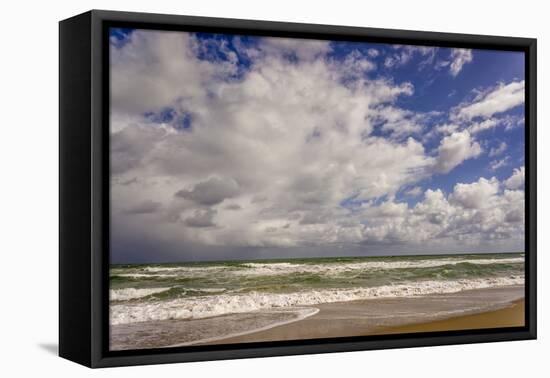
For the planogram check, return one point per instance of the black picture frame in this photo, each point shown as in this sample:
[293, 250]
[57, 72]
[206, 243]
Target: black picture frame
[84, 188]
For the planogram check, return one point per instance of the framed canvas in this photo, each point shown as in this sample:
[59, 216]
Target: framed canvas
[234, 188]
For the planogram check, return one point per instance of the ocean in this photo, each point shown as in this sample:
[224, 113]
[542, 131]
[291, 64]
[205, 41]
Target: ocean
[202, 290]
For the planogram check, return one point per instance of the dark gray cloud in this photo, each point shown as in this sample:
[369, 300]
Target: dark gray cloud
[201, 218]
[130, 145]
[145, 207]
[210, 192]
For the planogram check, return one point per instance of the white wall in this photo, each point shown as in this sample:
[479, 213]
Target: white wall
[28, 211]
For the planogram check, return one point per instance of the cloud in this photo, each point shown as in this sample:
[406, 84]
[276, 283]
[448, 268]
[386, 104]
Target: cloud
[399, 122]
[512, 122]
[497, 164]
[476, 213]
[130, 145]
[475, 195]
[244, 144]
[233, 206]
[454, 149]
[355, 64]
[414, 191]
[373, 53]
[440, 130]
[482, 126]
[498, 150]
[145, 207]
[150, 57]
[201, 219]
[509, 123]
[496, 100]
[440, 64]
[391, 209]
[403, 54]
[459, 57]
[210, 192]
[302, 49]
[447, 129]
[435, 209]
[455, 62]
[517, 180]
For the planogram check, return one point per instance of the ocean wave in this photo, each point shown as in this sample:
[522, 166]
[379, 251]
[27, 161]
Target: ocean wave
[136, 293]
[215, 305]
[132, 293]
[161, 269]
[168, 272]
[144, 275]
[265, 269]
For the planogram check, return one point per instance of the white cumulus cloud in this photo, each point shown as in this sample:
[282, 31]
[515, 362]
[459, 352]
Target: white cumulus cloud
[499, 99]
[456, 148]
[517, 180]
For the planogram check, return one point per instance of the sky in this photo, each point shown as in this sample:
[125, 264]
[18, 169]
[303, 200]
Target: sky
[231, 147]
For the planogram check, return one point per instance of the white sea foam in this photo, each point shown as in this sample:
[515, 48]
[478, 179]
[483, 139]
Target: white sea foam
[209, 289]
[169, 269]
[208, 306]
[143, 275]
[169, 272]
[132, 293]
[263, 269]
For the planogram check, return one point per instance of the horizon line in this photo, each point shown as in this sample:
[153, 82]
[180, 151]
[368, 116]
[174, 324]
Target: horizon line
[314, 258]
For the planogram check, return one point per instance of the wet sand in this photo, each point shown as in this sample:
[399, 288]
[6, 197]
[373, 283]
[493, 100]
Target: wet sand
[475, 309]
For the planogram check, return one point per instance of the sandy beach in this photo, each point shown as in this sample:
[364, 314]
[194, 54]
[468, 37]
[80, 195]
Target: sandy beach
[512, 316]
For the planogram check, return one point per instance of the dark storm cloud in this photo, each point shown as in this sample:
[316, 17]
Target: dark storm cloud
[210, 192]
[201, 218]
[145, 207]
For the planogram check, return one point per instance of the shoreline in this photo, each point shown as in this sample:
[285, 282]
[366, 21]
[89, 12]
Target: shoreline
[313, 312]
[357, 318]
[494, 307]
